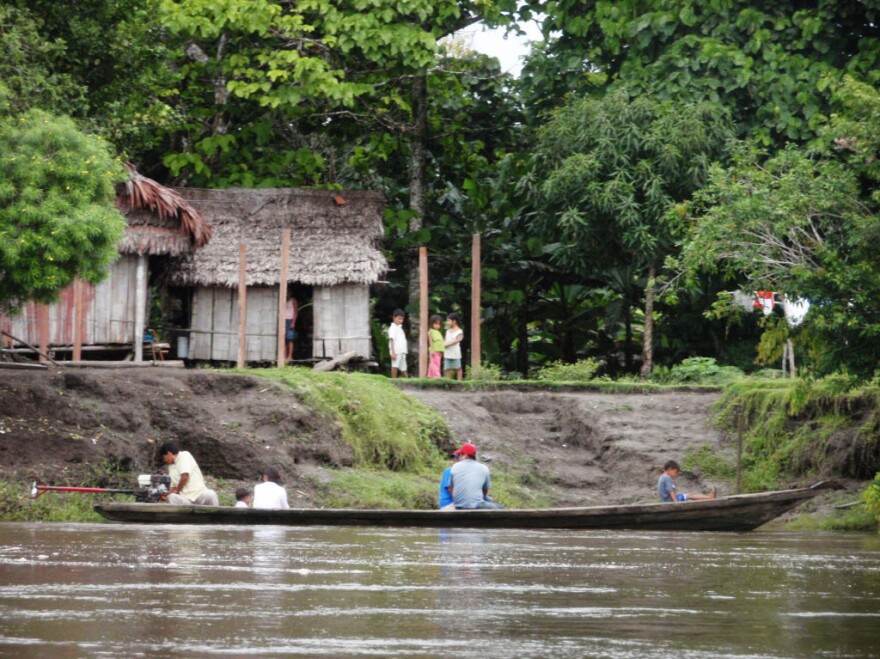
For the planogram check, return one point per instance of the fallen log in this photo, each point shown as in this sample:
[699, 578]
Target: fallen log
[332, 364]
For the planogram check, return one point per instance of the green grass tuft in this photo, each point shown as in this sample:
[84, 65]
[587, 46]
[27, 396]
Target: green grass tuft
[385, 427]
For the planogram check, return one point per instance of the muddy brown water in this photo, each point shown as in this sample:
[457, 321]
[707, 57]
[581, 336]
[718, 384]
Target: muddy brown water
[116, 590]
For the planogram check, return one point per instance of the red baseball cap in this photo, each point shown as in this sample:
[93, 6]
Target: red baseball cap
[467, 449]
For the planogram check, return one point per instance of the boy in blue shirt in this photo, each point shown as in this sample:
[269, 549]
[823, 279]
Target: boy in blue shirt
[666, 486]
[445, 481]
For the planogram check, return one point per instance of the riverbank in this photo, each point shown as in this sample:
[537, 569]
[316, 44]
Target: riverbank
[355, 440]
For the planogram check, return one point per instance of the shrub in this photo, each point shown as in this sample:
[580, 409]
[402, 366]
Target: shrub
[703, 370]
[559, 371]
[484, 373]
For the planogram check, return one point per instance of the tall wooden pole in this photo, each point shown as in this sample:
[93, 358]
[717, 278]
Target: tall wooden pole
[242, 304]
[282, 293]
[78, 319]
[140, 306]
[424, 329]
[476, 273]
[43, 330]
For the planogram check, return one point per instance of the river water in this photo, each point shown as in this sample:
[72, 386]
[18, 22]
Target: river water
[72, 590]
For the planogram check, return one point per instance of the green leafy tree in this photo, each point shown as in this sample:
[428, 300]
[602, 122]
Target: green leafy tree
[57, 213]
[771, 64]
[617, 171]
[103, 62]
[797, 222]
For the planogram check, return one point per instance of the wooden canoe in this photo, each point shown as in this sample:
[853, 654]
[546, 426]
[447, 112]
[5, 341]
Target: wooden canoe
[742, 512]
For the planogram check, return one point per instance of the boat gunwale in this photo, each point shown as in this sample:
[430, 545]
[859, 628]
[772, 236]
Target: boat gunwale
[709, 512]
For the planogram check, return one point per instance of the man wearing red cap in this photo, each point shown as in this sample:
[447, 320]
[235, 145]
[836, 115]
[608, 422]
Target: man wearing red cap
[469, 481]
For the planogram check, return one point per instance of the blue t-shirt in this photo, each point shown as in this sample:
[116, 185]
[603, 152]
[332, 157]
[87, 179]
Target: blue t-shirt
[445, 497]
[470, 481]
[666, 488]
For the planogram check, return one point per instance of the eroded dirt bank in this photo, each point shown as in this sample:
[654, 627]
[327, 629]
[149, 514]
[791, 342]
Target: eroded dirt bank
[75, 426]
[591, 447]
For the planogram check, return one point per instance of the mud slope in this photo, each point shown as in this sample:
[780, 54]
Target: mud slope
[592, 447]
[84, 425]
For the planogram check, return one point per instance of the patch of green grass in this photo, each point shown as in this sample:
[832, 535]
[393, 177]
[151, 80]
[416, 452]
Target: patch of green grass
[385, 427]
[600, 385]
[372, 489]
[708, 464]
[851, 519]
[16, 505]
[788, 424]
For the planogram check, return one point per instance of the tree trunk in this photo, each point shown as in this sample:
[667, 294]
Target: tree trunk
[627, 337]
[522, 343]
[417, 193]
[648, 335]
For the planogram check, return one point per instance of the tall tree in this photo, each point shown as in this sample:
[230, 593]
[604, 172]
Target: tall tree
[617, 170]
[771, 63]
[806, 223]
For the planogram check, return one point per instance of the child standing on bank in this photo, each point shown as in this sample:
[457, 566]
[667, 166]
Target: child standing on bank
[452, 354]
[436, 347]
[397, 344]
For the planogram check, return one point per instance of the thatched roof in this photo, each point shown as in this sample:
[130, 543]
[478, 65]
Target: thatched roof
[335, 236]
[160, 221]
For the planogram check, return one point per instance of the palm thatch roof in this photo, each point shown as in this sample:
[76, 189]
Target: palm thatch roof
[160, 221]
[335, 237]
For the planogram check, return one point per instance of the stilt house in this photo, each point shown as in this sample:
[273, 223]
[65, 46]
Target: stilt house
[334, 256]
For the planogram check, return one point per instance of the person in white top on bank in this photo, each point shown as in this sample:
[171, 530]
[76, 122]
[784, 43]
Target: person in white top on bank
[270, 494]
[397, 344]
[452, 354]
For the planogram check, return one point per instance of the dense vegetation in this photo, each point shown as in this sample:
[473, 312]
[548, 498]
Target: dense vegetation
[654, 157]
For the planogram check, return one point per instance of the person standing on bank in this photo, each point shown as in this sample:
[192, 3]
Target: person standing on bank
[291, 311]
[270, 495]
[187, 483]
[436, 347]
[397, 344]
[452, 354]
[469, 481]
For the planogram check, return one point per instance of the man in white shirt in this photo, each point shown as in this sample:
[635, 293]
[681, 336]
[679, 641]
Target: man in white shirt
[187, 483]
[397, 344]
[270, 494]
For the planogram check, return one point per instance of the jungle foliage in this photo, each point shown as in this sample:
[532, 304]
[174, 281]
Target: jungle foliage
[611, 239]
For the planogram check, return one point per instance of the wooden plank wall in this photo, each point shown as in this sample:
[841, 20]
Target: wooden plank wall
[342, 320]
[214, 324]
[109, 310]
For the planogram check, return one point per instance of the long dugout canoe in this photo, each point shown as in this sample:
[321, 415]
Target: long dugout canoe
[743, 512]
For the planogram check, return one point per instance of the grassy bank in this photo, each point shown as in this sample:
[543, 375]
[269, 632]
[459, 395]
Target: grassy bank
[799, 431]
[552, 386]
[400, 444]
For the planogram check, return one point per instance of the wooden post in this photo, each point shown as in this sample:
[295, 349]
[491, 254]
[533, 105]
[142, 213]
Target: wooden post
[282, 293]
[242, 305]
[424, 329]
[792, 369]
[43, 330]
[475, 301]
[140, 306]
[78, 319]
[740, 429]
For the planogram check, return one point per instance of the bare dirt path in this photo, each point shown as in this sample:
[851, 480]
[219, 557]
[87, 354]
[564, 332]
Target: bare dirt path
[592, 447]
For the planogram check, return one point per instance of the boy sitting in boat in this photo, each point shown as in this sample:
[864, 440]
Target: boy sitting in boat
[667, 490]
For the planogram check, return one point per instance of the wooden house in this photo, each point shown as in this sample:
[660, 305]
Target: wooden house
[112, 315]
[334, 256]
